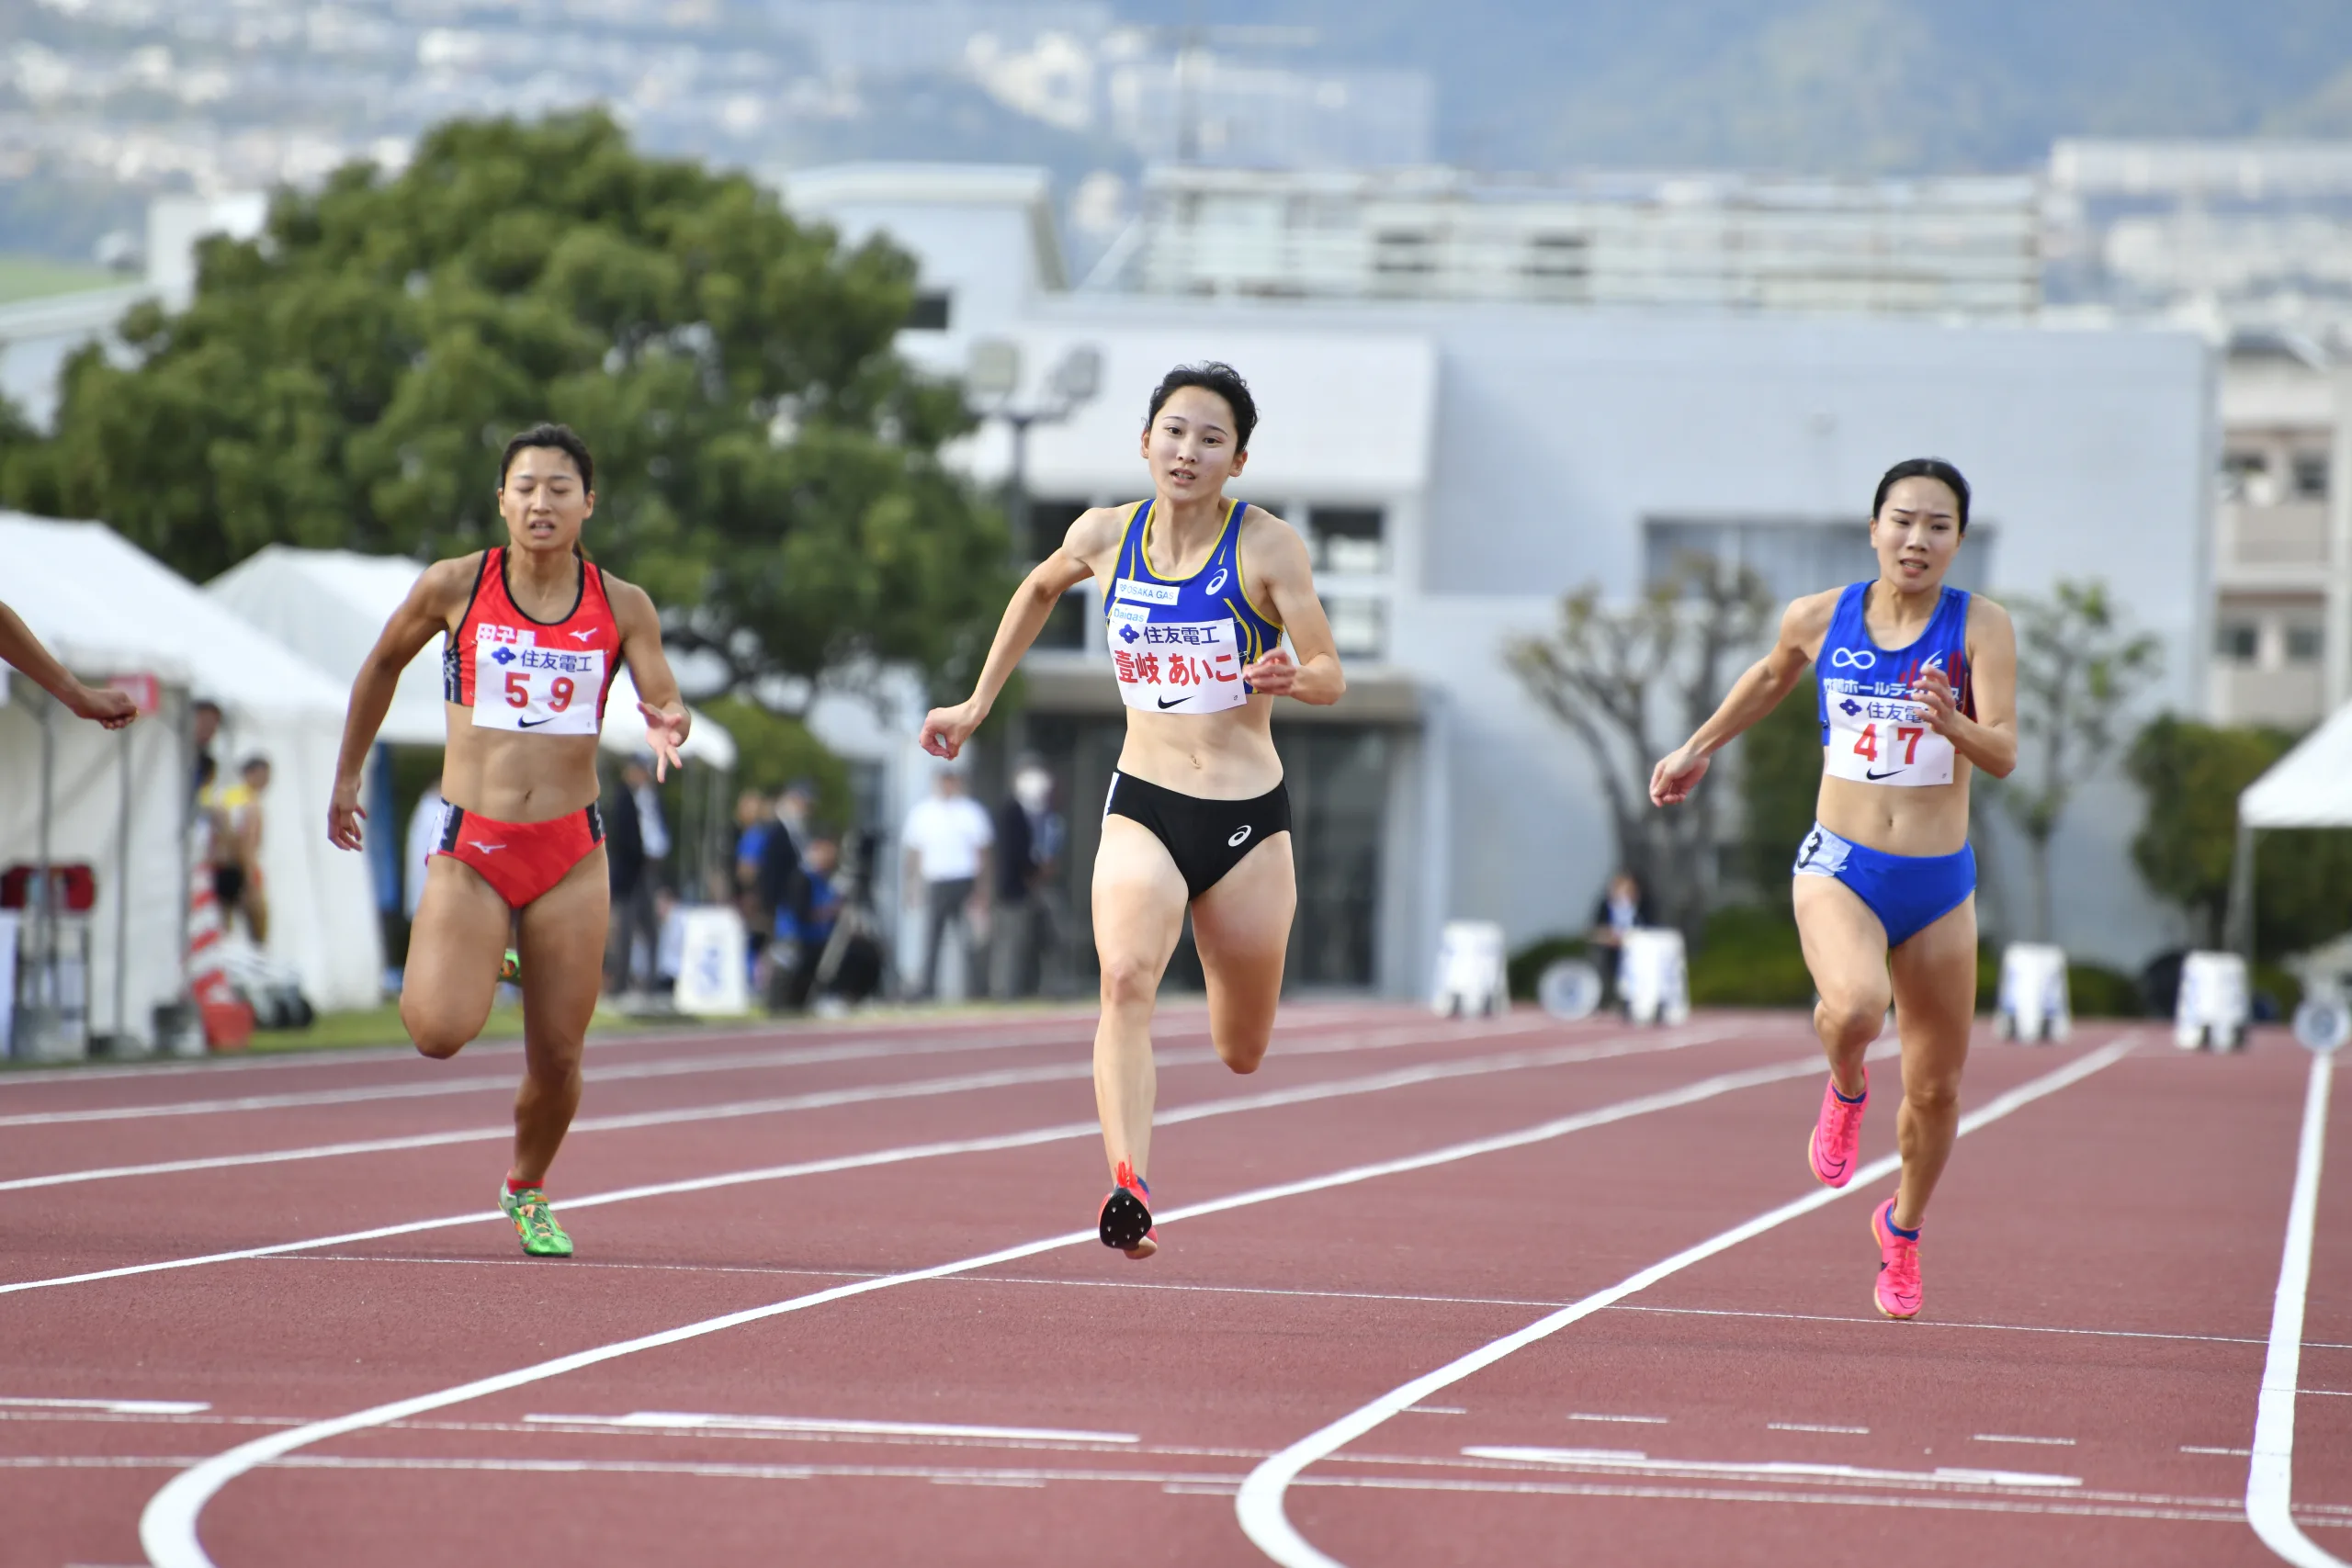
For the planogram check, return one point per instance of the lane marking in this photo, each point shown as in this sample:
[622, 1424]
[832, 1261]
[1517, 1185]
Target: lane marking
[110, 1407]
[674, 1420]
[1766, 1470]
[1301, 1095]
[2012, 1438]
[1811, 1427]
[2239, 1453]
[2270, 1474]
[1436, 1410]
[727, 1111]
[1629, 1420]
[167, 1527]
[1260, 1506]
[1939, 1323]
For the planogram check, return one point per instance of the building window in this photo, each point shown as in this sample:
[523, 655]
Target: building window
[1049, 520]
[2303, 644]
[1405, 253]
[1348, 540]
[2246, 476]
[931, 311]
[1066, 623]
[2237, 641]
[2311, 476]
[1359, 626]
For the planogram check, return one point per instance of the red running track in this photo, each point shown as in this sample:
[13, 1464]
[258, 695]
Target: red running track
[2100, 1271]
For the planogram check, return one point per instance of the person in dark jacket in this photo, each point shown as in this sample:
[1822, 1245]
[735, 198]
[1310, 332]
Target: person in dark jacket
[1623, 906]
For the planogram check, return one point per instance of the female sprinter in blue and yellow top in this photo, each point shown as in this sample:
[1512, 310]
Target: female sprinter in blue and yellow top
[1919, 690]
[1199, 592]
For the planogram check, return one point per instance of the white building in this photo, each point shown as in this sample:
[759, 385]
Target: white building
[1459, 464]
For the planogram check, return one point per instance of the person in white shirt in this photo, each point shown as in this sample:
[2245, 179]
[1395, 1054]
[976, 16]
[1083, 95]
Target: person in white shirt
[948, 837]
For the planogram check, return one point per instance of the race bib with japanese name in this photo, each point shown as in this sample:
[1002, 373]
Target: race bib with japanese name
[1878, 735]
[520, 686]
[1174, 667]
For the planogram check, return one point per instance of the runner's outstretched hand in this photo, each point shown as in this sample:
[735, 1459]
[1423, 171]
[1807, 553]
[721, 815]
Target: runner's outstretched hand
[945, 730]
[1675, 775]
[665, 733]
[343, 816]
[110, 708]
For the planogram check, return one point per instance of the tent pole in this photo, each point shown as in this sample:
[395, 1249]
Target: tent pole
[2237, 921]
[122, 902]
[187, 792]
[45, 910]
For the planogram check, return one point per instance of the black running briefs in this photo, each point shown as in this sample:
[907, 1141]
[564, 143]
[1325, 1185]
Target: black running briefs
[1206, 837]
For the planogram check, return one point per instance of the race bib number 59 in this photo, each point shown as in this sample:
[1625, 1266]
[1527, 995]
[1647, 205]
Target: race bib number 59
[549, 690]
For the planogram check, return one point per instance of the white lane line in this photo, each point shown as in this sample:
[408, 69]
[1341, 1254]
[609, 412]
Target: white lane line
[1628, 1420]
[167, 1528]
[1813, 1427]
[110, 1407]
[679, 1420]
[814, 1101]
[1260, 1506]
[1939, 1323]
[1303, 1094]
[2013, 1437]
[1769, 1470]
[2270, 1477]
[2234, 1453]
[1436, 1410]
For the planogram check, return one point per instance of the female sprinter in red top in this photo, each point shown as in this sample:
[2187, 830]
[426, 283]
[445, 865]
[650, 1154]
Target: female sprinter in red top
[1199, 592]
[533, 634]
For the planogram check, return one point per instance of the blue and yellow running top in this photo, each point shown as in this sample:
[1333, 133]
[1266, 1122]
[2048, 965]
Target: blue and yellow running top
[1873, 732]
[1180, 644]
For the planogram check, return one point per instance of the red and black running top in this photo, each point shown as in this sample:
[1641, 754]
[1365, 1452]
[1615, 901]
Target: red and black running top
[519, 673]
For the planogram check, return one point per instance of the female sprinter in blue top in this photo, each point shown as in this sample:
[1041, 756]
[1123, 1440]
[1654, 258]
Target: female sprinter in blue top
[1199, 592]
[1919, 690]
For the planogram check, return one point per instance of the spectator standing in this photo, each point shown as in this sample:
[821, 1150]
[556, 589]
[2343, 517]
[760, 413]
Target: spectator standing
[637, 842]
[753, 821]
[1623, 906]
[947, 837]
[1028, 845]
[783, 894]
[236, 838]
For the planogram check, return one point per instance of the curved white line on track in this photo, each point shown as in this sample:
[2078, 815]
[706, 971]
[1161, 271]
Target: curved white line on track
[2270, 1475]
[167, 1528]
[727, 1111]
[1402, 1078]
[1260, 1505]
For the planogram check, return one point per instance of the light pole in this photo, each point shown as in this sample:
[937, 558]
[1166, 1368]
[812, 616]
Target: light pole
[992, 377]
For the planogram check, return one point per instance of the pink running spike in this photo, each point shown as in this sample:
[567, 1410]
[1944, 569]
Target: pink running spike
[1898, 1291]
[1836, 1145]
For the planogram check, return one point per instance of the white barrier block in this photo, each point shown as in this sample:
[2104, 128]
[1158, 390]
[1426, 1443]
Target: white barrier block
[2212, 1004]
[1470, 975]
[1653, 976]
[711, 979]
[2033, 1003]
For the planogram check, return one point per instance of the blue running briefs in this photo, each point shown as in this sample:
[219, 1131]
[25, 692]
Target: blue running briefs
[1908, 893]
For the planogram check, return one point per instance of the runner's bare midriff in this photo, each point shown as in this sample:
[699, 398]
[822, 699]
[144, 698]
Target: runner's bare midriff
[509, 777]
[1212, 756]
[1927, 820]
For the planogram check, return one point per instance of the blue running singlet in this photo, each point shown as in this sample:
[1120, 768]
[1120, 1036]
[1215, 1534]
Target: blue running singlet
[1178, 645]
[1873, 733]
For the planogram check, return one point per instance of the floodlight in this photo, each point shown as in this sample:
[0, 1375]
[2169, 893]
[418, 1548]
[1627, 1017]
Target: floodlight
[993, 368]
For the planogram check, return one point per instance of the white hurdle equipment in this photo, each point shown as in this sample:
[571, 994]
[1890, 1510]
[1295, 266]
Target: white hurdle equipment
[712, 980]
[1654, 976]
[1471, 980]
[2033, 1003]
[2211, 1009]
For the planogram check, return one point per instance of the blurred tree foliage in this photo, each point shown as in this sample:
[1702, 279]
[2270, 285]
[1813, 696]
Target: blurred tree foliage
[1780, 781]
[776, 750]
[2192, 774]
[766, 466]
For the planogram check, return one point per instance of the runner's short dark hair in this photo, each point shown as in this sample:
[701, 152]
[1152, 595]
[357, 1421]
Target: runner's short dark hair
[1923, 468]
[563, 439]
[1214, 376]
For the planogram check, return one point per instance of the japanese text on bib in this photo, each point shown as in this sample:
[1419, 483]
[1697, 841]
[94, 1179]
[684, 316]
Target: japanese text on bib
[1175, 667]
[1877, 733]
[520, 686]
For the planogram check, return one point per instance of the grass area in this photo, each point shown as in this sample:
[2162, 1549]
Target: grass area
[36, 278]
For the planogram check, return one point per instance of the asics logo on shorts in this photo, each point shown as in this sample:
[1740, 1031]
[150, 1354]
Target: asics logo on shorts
[1849, 658]
[1239, 838]
[1215, 585]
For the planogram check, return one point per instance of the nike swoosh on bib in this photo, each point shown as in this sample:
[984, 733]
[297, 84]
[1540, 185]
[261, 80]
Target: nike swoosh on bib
[533, 723]
[1165, 704]
[1888, 774]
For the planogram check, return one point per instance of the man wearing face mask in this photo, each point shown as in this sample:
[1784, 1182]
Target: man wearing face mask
[1028, 843]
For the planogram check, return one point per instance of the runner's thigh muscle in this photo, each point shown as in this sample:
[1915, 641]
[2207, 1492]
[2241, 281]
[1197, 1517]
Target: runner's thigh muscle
[1935, 999]
[1845, 946]
[454, 948]
[1138, 908]
[1242, 928]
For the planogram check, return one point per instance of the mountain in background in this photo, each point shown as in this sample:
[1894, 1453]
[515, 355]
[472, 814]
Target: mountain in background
[1844, 86]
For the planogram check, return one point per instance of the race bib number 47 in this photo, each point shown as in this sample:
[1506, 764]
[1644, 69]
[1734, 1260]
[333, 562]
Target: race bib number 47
[548, 690]
[1882, 737]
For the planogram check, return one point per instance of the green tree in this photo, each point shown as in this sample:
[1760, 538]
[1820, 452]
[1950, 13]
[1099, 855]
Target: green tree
[2078, 668]
[2192, 774]
[1780, 783]
[766, 465]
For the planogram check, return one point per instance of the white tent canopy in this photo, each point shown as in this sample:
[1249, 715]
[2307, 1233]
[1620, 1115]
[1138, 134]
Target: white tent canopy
[329, 605]
[2311, 786]
[106, 609]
